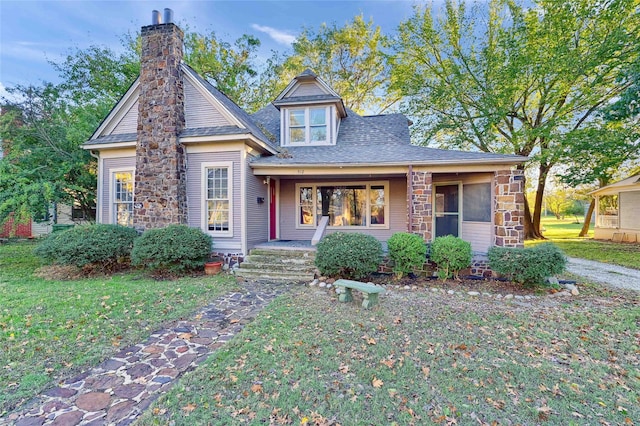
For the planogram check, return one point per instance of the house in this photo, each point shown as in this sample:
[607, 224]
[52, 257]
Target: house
[176, 150]
[618, 211]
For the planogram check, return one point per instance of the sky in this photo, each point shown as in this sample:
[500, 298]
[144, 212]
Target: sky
[32, 33]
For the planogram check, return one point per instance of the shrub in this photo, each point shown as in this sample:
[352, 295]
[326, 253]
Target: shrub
[529, 266]
[175, 248]
[101, 244]
[451, 254]
[407, 252]
[350, 255]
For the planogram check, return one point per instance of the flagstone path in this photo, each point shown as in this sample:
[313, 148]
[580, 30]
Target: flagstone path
[122, 387]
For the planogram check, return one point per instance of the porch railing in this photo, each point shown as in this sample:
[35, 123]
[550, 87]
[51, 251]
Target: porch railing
[322, 227]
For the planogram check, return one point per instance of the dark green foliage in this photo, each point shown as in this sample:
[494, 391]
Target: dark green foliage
[528, 266]
[175, 248]
[451, 254]
[349, 255]
[88, 244]
[407, 252]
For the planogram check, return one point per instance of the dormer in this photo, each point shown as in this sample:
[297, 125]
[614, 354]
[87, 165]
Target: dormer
[310, 112]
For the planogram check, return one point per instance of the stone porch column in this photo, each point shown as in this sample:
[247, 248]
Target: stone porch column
[421, 203]
[509, 208]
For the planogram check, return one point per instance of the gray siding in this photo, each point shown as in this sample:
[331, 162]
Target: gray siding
[397, 211]
[194, 195]
[257, 214]
[198, 111]
[630, 210]
[110, 164]
[479, 234]
[307, 89]
[129, 123]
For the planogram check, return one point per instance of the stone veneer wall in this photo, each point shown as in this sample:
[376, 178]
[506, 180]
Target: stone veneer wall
[160, 181]
[421, 204]
[509, 208]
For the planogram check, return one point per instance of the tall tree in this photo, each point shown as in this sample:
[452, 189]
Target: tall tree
[507, 78]
[610, 148]
[231, 68]
[44, 126]
[351, 59]
[43, 163]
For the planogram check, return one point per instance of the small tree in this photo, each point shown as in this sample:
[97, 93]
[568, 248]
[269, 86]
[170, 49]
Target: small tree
[575, 209]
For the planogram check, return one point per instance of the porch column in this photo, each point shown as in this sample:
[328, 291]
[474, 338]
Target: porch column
[509, 208]
[420, 184]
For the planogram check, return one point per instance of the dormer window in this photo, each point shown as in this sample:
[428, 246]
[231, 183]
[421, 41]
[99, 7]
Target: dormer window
[308, 126]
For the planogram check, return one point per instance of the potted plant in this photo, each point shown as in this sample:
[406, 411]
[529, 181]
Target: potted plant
[213, 266]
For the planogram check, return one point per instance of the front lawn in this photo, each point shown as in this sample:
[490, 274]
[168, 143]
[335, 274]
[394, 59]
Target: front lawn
[564, 233]
[52, 329]
[421, 357]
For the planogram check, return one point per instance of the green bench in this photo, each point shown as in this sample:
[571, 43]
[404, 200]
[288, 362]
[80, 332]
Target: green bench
[369, 292]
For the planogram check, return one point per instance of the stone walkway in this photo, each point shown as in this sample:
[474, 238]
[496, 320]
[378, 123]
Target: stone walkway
[604, 273]
[121, 388]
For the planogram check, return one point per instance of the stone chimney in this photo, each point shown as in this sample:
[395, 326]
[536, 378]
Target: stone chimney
[160, 182]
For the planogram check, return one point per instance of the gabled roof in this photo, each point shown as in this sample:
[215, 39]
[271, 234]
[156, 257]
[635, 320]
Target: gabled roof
[370, 140]
[288, 97]
[242, 125]
[632, 183]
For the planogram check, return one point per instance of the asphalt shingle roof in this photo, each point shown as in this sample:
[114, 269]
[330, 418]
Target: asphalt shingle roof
[237, 112]
[379, 139]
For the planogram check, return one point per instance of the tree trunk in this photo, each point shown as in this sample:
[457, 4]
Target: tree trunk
[587, 219]
[529, 231]
[537, 208]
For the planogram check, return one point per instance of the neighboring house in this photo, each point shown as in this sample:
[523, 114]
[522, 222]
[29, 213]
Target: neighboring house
[176, 150]
[618, 211]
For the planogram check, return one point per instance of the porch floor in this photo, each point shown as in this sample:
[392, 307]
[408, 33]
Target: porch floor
[287, 245]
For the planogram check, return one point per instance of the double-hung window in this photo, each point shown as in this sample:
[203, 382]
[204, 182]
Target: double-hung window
[308, 125]
[122, 202]
[218, 198]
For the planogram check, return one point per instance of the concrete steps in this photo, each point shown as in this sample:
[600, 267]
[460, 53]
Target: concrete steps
[278, 264]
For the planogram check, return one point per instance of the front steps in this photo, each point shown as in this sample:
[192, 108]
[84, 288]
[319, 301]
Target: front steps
[278, 264]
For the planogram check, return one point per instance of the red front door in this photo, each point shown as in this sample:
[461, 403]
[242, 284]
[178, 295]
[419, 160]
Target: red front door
[272, 209]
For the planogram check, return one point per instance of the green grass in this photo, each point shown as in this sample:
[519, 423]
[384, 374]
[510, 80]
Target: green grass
[420, 358]
[52, 329]
[564, 233]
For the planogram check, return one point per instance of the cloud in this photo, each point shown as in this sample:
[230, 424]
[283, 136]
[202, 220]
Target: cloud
[279, 36]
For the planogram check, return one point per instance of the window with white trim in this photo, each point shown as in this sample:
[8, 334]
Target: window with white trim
[123, 197]
[359, 204]
[308, 126]
[217, 198]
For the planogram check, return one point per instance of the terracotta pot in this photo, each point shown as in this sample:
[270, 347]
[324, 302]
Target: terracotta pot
[212, 268]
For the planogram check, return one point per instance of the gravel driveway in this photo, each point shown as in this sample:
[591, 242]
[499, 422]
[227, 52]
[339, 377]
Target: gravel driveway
[604, 273]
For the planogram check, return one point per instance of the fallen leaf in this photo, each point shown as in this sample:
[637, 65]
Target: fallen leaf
[388, 362]
[185, 336]
[344, 368]
[377, 383]
[189, 408]
[426, 371]
[256, 388]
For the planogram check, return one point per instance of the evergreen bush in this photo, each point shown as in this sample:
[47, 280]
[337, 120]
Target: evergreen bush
[349, 255]
[451, 255]
[407, 252]
[175, 248]
[101, 244]
[529, 266]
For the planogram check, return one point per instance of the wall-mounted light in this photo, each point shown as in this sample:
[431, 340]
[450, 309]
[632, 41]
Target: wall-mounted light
[260, 200]
[266, 180]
